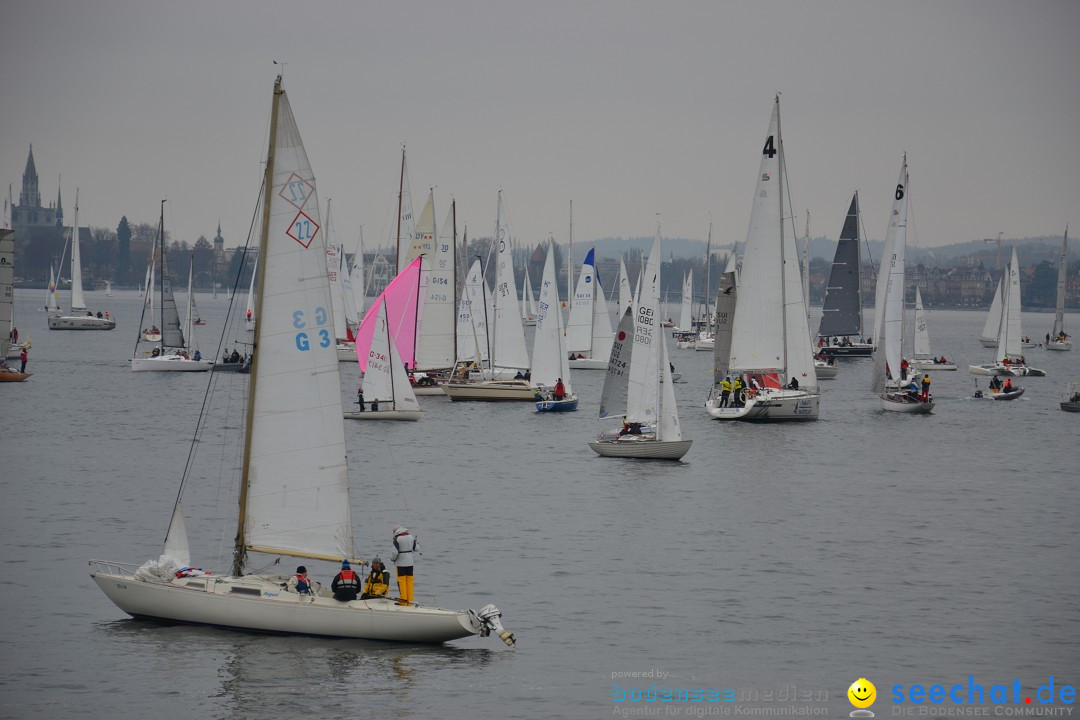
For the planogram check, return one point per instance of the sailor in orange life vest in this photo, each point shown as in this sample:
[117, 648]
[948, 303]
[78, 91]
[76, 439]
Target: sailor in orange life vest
[300, 583]
[405, 544]
[378, 581]
[346, 584]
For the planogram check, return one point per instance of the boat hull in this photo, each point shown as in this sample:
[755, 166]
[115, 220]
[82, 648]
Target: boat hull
[826, 372]
[927, 366]
[410, 415]
[346, 352]
[642, 448]
[902, 403]
[1007, 371]
[1070, 406]
[853, 350]
[13, 376]
[770, 406]
[490, 391]
[170, 363]
[988, 342]
[80, 322]
[566, 405]
[1056, 345]
[1002, 395]
[261, 605]
[588, 364]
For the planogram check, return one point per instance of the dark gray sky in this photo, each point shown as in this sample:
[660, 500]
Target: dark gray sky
[627, 108]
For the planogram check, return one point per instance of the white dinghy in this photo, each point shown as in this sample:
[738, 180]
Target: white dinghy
[294, 484]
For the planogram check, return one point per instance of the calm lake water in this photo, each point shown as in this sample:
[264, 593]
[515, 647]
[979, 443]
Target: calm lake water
[784, 559]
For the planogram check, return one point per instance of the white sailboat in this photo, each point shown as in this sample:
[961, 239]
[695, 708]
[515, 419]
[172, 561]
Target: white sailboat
[770, 340]
[294, 495]
[52, 301]
[7, 307]
[436, 326]
[639, 387]
[335, 259]
[896, 391]
[174, 336]
[588, 328]
[1010, 360]
[551, 364]
[152, 333]
[508, 355]
[686, 306]
[249, 308]
[79, 318]
[1058, 339]
[923, 357]
[385, 385]
[989, 335]
[528, 301]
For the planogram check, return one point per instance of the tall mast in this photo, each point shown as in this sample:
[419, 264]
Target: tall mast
[780, 193]
[161, 280]
[806, 268]
[708, 281]
[570, 262]
[268, 186]
[400, 194]
[453, 246]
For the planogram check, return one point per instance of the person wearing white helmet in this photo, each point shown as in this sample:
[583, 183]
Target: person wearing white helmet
[405, 544]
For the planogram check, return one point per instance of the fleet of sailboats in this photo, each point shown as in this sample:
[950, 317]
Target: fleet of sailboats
[1009, 360]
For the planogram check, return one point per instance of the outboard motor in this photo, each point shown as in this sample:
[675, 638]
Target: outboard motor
[487, 620]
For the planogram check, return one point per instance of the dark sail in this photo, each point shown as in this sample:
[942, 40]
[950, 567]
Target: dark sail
[842, 312]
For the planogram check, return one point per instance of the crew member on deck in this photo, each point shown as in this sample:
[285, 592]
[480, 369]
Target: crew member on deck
[405, 544]
[378, 581]
[925, 396]
[300, 583]
[346, 584]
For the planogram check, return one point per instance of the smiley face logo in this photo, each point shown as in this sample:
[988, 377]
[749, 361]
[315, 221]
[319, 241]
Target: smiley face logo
[862, 693]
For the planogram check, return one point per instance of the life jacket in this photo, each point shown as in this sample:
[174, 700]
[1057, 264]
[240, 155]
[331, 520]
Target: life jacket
[378, 583]
[348, 579]
[303, 585]
[725, 386]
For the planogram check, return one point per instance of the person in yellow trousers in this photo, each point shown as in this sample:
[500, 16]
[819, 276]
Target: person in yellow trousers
[405, 544]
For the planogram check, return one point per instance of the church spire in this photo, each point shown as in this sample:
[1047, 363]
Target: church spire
[59, 205]
[30, 197]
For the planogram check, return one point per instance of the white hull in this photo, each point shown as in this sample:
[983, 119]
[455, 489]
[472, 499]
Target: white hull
[899, 402]
[412, 415]
[490, 391]
[770, 405]
[826, 372]
[707, 345]
[1007, 371]
[80, 322]
[428, 390]
[346, 352]
[262, 604]
[988, 342]
[588, 364]
[151, 337]
[169, 363]
[686, 344]
[1055, 345]
[642, 448]
[928, 365]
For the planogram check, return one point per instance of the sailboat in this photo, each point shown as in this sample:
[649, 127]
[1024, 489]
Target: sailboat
[1058, 338]
[294, 494]
[770, 338]
[52, 302]
[1010, 360]
[152, 333]
[551, 364]
[108, 289]
[184, 356]
[196, 319]
[7, 304]
[386, 383]
[249, 310]
[435, 328]
[989, 335]
[840, 332]
[588, 328]
[923, 357]
[507, 352]
[896, 391]
[638, 383]
[528, 302]
[824, 364]
[80, 318]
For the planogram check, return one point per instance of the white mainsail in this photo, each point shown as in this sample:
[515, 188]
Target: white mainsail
[250, 306]
[295, 469]
[579, 325]
[798, 345]
[726, 295]
[385, 379]
[77, 300]
[1010, 332]
[993, 318]
[668, 428]
[889, 311]
[614, 394]
[1063, 268]
[472, 317]
[52, 303]
[626, 298]
[333, 272]
[508, 338]
[686, 309]
[644, 371]
[359, 286]
[435, 342]
[757, 340]
[550, 358]
[922, 333]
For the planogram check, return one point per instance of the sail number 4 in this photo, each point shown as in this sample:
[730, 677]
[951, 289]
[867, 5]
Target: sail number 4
[322, 334]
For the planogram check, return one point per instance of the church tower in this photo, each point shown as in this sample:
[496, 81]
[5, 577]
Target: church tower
[29, 213]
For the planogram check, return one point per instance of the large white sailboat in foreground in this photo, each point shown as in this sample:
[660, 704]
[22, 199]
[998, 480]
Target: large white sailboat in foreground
[80, 318]
[294, 484]
[770, 338]
[897, 391]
